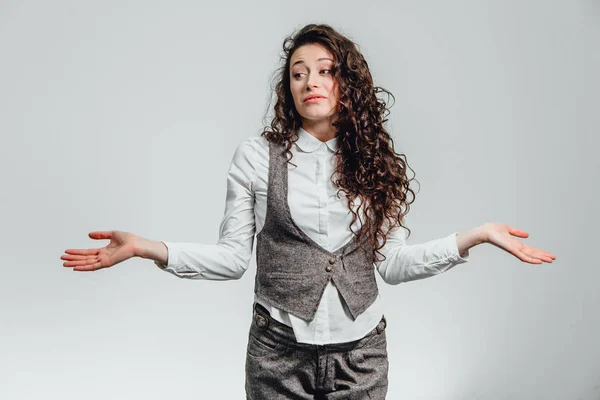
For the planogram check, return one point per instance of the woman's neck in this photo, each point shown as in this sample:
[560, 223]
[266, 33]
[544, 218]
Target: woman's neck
[322, 130]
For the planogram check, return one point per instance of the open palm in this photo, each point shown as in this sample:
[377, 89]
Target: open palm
[503, 236]
[120, 248]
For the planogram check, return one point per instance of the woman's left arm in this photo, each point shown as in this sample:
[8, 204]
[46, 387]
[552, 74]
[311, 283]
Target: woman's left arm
[502, 236]
[407, 262]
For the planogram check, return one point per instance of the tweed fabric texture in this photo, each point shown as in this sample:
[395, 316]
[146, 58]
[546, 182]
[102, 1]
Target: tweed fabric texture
[293, 270]
[278, 367]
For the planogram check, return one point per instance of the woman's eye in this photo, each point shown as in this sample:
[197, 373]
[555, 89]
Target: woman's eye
[297, 74]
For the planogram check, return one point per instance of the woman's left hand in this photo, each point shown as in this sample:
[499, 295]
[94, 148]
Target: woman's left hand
[502, 236]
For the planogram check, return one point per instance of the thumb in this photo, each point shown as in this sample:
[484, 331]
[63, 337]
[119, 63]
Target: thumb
[518, 232]
[100, 234]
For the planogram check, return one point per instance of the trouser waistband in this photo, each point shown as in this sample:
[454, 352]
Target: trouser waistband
[262, 320]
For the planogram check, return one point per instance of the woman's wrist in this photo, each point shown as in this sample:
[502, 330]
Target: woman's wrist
[151, 249]
[471, 238]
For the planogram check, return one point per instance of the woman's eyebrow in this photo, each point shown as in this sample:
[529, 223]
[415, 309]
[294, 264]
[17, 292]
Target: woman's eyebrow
[320, 59]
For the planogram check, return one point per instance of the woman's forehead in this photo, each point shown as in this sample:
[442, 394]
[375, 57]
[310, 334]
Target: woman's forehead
[309, 52]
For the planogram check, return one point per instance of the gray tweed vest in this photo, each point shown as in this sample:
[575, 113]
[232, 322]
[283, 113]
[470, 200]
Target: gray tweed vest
[293, 270]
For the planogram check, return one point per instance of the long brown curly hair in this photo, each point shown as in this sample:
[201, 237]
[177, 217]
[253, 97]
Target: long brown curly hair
[367, 167]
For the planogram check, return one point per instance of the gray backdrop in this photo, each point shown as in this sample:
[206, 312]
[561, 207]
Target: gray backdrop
[125, 114]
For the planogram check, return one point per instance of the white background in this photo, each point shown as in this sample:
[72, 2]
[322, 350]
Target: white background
[124, 115]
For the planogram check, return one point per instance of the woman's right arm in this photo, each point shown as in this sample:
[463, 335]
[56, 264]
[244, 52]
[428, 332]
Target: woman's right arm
[228, 259]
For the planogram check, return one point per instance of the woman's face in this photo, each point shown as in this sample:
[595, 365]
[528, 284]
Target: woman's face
[310, 75]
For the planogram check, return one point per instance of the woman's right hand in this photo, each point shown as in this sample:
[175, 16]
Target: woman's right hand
[120, 248]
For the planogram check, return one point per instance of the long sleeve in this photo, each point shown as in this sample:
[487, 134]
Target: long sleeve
[230, 257]
[405, 262]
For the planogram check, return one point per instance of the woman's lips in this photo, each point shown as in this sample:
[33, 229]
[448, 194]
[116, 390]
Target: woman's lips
[314, 99]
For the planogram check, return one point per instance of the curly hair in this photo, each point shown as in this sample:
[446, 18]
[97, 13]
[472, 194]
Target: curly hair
[367, 167]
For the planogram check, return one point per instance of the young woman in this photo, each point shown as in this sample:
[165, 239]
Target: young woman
[327, 194]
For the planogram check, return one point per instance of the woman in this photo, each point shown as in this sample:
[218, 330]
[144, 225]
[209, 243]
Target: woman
[327, 194]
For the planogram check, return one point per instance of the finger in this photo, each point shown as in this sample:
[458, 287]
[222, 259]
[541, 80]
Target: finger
[83, 252]
[536, 253]
[92, 267]
[548, 254]
[524, 257]
[100, 234]
[544, 256]
[517, 232]
[540, 253]
[93, 235]
[80, 262]
[70, 257]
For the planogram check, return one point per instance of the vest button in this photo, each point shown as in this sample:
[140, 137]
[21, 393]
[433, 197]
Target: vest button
[328, 268]
[331, 260]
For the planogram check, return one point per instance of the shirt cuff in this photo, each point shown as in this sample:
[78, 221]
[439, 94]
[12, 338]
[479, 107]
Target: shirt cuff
[172, 258]
[453, 245]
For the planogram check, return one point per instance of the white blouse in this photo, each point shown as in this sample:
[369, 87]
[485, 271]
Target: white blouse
[324, 217]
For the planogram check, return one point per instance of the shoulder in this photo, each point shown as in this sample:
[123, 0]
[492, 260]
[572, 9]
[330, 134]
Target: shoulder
[251, 153]
[251, 147]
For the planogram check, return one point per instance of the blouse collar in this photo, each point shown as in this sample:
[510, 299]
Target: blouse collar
[308, 143]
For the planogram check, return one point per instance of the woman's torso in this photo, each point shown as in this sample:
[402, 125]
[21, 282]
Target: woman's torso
[323, 215]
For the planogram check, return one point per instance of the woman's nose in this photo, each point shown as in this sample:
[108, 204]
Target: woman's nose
[312, 82]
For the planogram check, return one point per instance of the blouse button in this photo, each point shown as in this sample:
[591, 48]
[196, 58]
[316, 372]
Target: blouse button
[332, 260]
[328, 268]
